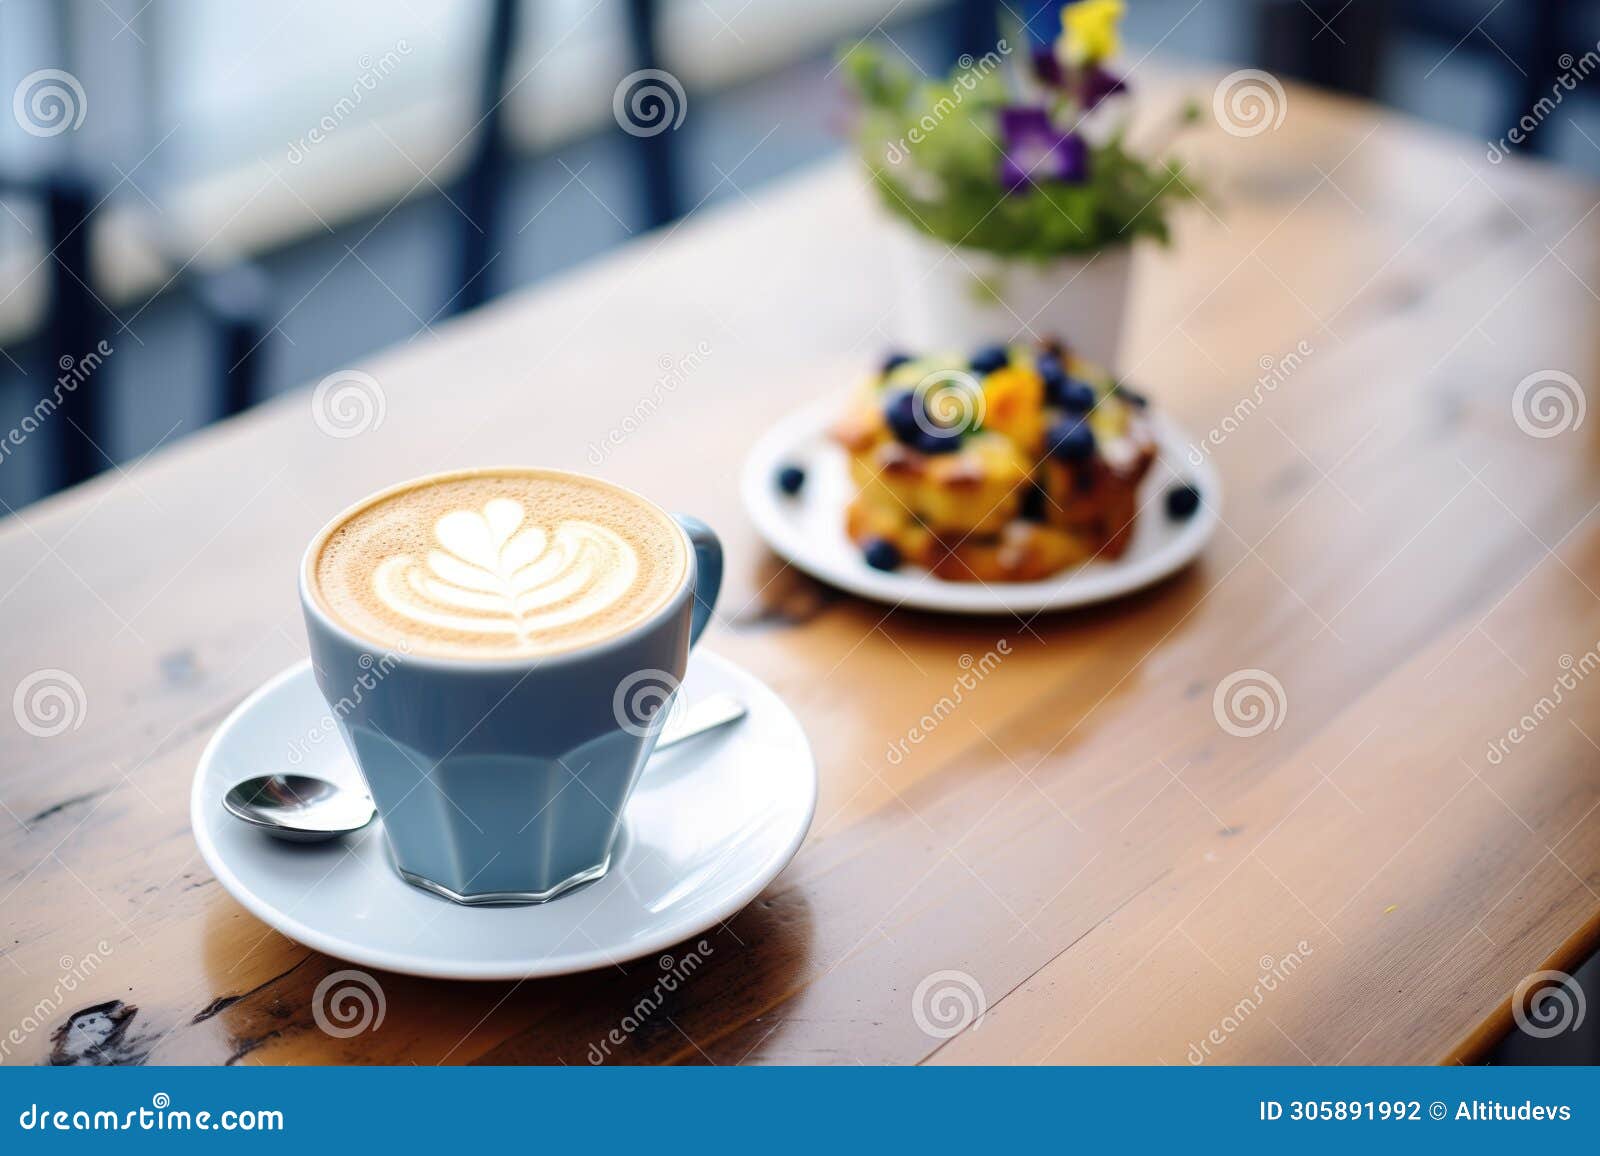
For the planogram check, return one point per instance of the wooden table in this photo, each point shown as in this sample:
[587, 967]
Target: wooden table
[1114, 870]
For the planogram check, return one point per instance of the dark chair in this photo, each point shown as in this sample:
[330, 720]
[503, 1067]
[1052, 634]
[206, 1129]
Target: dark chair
[235, 302]
[479, 187]
[1340, 45]
[654, 154]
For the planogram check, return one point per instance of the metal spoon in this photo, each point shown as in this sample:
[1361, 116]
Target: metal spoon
[299, 808]
[711, 712]
[306, 809]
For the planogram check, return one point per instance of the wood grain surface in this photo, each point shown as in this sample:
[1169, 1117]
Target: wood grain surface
[1081, 839]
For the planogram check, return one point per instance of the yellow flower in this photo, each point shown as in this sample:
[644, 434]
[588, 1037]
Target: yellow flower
[1089, 31]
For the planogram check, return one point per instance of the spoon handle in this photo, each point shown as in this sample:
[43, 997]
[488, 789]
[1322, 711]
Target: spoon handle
[717, 710]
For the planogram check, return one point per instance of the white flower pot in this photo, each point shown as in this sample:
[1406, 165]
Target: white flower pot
[954, 297]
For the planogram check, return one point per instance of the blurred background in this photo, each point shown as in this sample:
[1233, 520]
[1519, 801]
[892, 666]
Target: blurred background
[239, 198]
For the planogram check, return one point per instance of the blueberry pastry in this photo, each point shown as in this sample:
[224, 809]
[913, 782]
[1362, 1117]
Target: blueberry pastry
[1002, 464]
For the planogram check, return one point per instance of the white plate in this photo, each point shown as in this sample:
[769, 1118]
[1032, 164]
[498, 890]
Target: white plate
[709, 826]
[808, 529]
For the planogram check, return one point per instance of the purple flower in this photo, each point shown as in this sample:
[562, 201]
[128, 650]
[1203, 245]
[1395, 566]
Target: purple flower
[1035, 149]
[1045, 65]
[1097, 85]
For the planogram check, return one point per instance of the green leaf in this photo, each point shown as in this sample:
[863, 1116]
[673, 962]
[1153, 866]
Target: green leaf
[933, 150]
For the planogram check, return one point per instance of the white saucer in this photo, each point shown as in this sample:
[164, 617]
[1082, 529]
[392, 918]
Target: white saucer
[711, 823]
[808, 528]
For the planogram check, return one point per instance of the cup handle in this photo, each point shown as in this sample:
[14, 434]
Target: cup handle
[707, 572]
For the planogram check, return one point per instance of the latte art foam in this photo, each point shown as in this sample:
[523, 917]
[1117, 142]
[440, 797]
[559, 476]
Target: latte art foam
[499, 563]
[493, 575]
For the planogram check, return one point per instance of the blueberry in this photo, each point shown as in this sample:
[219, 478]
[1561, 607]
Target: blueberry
[894, 361]
[882, 554]
[1075, 397]
[938, 441]
[1059, 387]
[1182, 502]
[990, 358]
[900, 412]
[1053, 372]
[1070, 440]
[790, 479]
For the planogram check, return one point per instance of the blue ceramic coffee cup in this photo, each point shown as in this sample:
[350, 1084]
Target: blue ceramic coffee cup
[504, 780]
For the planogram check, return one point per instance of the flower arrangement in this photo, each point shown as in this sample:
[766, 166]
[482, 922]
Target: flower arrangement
[1026, 160]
